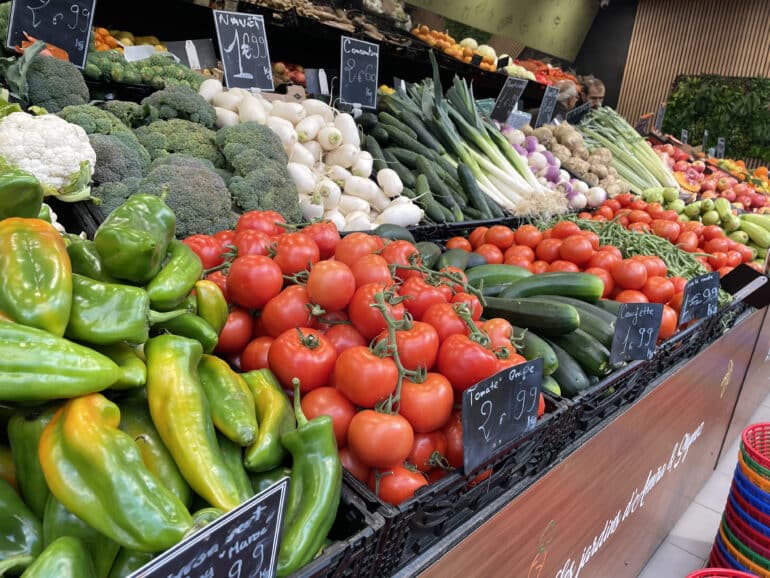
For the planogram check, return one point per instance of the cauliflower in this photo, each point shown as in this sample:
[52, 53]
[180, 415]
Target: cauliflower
[57, 152]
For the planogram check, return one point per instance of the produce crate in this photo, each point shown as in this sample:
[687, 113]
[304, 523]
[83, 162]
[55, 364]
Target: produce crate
[355, 534]
[435, 510]
[442, 232]
[104, 90]
[83, 216]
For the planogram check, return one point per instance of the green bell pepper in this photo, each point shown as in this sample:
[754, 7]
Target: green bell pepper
[66, 557]
[275, 418]
[21, 194]
[177, 278]
[127, 562]
[85, 259]
[21, 535]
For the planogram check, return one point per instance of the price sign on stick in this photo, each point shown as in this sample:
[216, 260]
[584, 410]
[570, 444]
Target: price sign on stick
[498, 410]
[700, 298]
[359, 63]
[243, 48]
[576, 114]
[659, 118]
[197, 54]
[64, 23]
[545, 113]
[685, 135]
[636, 331]
[720, 152]
[508, 97]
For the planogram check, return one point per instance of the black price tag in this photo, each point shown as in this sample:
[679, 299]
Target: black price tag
[476, 59]
[659, 118]
[700, 298]
[243, 542]
[197, 54]
[508, 97]
[746, 284]
[64, 23]
[243, 48]
[359, 63]
[576, 114]
[720, 152]
[503, 62]
[498, 410]
[684, 136]
[636, 332]
[545, 113]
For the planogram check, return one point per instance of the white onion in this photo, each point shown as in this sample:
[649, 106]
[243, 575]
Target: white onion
[537, 161]
[596, 196]
[578, 201]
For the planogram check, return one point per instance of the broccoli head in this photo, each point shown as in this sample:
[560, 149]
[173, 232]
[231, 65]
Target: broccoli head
[115, 160]
[54, 84]
[165, 137]
[233, 139]
[179, 160]
[268, 188]
[110, 196]
[198, 196]
[130, 114]
[181, 102]
[5, 21]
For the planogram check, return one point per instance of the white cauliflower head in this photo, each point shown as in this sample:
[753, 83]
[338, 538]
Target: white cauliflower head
[57, 152]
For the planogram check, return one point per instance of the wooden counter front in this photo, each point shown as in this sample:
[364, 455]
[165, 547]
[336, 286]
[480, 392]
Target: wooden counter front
[604, 510]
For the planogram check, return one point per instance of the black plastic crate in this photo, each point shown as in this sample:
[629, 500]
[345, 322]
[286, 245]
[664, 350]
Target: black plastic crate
[107, 90]
[442, 232]
[355, 535]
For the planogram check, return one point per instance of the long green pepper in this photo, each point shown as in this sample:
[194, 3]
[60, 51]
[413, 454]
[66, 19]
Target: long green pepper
[176, 279]
[275, 419]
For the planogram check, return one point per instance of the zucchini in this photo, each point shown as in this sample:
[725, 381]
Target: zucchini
[440, 190]
[592, 356]
[454, 258]
[476, 259]
[401, 139]
[422, 133]
[405, 157]
[595, 321]
[367, 120]
[571, 377]
[610, 306]
[497, 212]
[476, 197]
[581, 285]
[495, 274]
[430, 205]
[493, 290]
[395, 232]
[472, 214]
[543, 317]
[429, 253]
[406, 176]
[379, 134]
[390, 120]
[550, 384]
[534, 346]
[445, 164]
[373, 148]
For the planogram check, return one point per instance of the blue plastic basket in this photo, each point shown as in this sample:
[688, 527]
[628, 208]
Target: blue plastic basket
[747, 488]
[727, 556]
[745, 517]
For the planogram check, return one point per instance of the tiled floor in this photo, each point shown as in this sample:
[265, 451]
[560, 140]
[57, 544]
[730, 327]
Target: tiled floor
[688, 545]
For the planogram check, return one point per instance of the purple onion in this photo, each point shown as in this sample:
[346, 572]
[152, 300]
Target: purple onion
[550, 159]
[520, 150]
[531, 143]
[568, 190]
[552, 174]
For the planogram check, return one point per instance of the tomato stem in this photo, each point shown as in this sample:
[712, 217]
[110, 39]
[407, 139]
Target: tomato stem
[476, 334]
[309, 341]
[298, 413]
[437, 277]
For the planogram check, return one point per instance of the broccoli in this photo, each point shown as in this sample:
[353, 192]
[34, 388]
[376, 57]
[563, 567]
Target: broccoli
[115, 160]
[110, 196]
[164, 137]
[181, 102]
[5, 21]
[179, 160]
[130, 113]
[160, 71]
[198, 196]
[268, 188]
[232, 140]
[54, 84]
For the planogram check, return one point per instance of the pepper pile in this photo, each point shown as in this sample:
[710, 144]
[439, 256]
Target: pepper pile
[127, 434]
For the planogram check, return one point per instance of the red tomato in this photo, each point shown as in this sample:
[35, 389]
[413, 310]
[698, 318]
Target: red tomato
[491, 253]
[687, 241]
[637, 205]
[499, 331]
[295, 252]
[584, 215]
[476, 238]
[705, 262]
[367, 319]
[328, 320]
[417, 346]
[473, 303]
[539, 267]
[236, 333]
[613, 204]
[220, 279]
[419, 296]
[717, 245]
[724, 271]
[427, 405]
[259, 329]
[303, 353]
[746, 253]
[253, 280]
[528, 235]
[356, 467]
[364, 378]
[593, 238]
[226, 239]
[464, 362]
[453, 431]
[676, 302]
[629, 274]
[344, 337]
[207, 248]
[397, 484]
[519, 252]
[604, 214]
[548, 250]
[325, 235]
[631, 296]
[329, 401]
[510, 359]
[428, 449]
[331, 285]
[667, 323]
[564, 229]
[679, 283]
[499, 236]
[446, 322]
[712, 232]
[606, 277]
[576, 249]
[624, 199]
[655, 210]
[380, 440]
[459, 243]
[289, 309]
[611, 249]
[654, 265]
[718, 259]
[733, 258]
[252, 242]
[371, 268]
[667, 229]
[460, 279]
[519, 262]
[603, 260]
[354, 246]
[658, 290]
[266, 221]
[255, 354]
[639, 217]
[566, 266]
[639, 227]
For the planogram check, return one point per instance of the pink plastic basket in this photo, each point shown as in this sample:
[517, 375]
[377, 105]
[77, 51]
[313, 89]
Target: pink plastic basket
[756, 441]
[720, 573]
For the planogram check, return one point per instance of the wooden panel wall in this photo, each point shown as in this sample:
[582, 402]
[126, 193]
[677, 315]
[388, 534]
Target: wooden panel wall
[672, 37]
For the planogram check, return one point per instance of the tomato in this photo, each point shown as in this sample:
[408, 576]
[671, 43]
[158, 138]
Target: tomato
[593, 238]
[655, 210]
[624, 199]
[541, 406]
[712, 232]
[354, 246]
[539, 267]
[453, 431]
[637, 205]
[606, 277]
[746, 253]
[528, 235]
[576, 249]
[658, 290]
[367, 319]
[560, 265]
[613, 204]
[295, 252]
[344, 336]
[226, 239]
[325, 235]
[519, 252]
[328, 320]
[629, 274]
[289, 309]
[693, 226]
[639, 227]
[491, 253]
[253, 280]
[446, 322]
[459, 243]
[519, 262]
[688, 241]
[512, 358]
[631, 296]
[499, 331]
[717, 245]
[207, 248]
[548, 250]
[329, 401]
[705, 262]
[259, 329]
[363, 377]
[600, 217]
[380, 440]
[611, 249]
[564, 229]
[473, 303]
[419, 296]
[417, 346]
[584, 215]
[500, 236]
[667, 323]
[252, 242]
[220, 279]
[427, 405]
[427, 450]
[236, 333]
[667, 229]
[459, 275]
[639, 217]
[718, 259]
[397, 484]
[356, 467]
[603, 260]
[476, 238]
[603, 213]
[724, 271]
[254, 356]
[304, 353]
[679, 283]
[268, 222]
[331, 285]
[371, 268]
[464, 362]
[654, 265]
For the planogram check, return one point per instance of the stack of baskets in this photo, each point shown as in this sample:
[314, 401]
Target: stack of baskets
[743, 540]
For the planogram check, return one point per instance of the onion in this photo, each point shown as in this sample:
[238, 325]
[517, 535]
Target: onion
[578, 201]
[540, 148]
[596, 196]
[530, 143]
[580, 186]
[564, 175]
[568, 190]
[550, 159]
[537, 161]
[514, 135]
[519, 149]
[552, 174]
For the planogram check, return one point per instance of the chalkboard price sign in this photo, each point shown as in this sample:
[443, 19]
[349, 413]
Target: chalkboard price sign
[684, 136]
[705, 139]
[243, 49]
[197, 54]
[508, 97]
[576, 114]
[659, 118]
[700, 298]
[359, 63]
[720, 152]
[63, 23]
[636, 332]
[243, 542]
[498, 410]
[545, 113]
[476, 59]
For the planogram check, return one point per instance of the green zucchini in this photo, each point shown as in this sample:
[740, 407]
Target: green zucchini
[367, 120]
[595, 321]
[440, 190]
[430, 205]
[534, 346]
[472, 214]
[388, 119]
[476, 259]
[395, 232]
[493, 290]
[448, 167]
[580, 285]
[571, 377]
[406, 176]
[543, 317]
[373, 148]
[495, 274]
[406, 157]
[610, 306]
[401, 139]
[454, 258]
[379, 134]
[476, 197]
[592, 356]
[550, 384]
[423, 134]
[429, 253]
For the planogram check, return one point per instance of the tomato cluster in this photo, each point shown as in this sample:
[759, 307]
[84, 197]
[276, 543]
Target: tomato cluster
[379, 343]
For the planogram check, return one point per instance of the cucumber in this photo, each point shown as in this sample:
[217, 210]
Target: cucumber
[550, 384]
[423, 134]
[475, 196]
[595, 321]
[395, 232]
[379, 134]
[571, 377]
[368, 121]
[405, 157]
[580, 285]
[454, 258]
[440, 190]
[493, 290]
[390, 120]
[592, 356]
[610, 306]
[472, 214]
[534, 346]
[430, 205]
[496, 274]
[448, 167]
[429, 253]
[373, 148]
[406, 176]
[543, 317]
[402, 139]
[476, 259]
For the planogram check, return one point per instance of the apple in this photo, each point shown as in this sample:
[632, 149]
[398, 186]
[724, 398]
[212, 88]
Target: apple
[723, 183]
[709, 195]
[738, 206]
[743, 189]
[699, 166]
[693, 176]
[757, 200]
[744, 200]
[708, 185]
[729, 194]
[681, 166]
